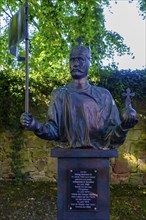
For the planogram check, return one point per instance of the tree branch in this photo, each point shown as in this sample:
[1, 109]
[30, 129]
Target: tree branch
[7, 13]
[9, 9]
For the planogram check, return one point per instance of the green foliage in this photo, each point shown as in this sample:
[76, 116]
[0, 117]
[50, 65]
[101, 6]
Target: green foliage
[142, 7]
[118, 81]
[12, 97]
[53, 26]
[122, 207]
[16, 160]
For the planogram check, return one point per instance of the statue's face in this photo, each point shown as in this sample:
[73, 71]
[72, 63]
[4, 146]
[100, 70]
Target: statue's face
[79, 65]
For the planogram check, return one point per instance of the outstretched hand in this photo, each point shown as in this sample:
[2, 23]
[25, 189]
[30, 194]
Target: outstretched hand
[26, 120]
[129, 123]
[128, 118]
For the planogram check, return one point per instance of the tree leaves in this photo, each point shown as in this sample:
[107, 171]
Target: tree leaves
[54, 25]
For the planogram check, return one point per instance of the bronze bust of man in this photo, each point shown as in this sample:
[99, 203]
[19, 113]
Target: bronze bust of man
[80, 114]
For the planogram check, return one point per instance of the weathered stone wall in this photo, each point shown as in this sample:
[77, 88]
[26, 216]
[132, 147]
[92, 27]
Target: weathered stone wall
[130, 166]
[31, 161]
[28, 157]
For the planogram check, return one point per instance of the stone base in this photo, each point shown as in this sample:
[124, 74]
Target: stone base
[83, 183]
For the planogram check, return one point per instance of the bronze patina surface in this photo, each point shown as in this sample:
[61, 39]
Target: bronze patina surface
[80, 114]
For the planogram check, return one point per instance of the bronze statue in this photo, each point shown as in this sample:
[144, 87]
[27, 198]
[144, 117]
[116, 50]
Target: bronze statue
[82, 115]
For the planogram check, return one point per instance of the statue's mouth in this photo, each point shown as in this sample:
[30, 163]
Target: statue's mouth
[76, 70]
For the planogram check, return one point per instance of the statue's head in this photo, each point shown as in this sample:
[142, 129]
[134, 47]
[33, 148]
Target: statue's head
[79, 61]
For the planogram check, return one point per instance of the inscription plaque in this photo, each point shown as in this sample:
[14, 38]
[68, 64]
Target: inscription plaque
[83, 190]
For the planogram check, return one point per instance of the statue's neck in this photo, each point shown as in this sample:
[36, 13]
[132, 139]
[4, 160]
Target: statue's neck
[80, 83]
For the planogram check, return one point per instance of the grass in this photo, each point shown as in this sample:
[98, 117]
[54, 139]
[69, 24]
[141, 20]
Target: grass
[37, 201]
[128, 202]
[30, 201]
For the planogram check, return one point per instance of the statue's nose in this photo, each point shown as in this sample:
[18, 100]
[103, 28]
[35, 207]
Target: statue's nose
[76, 62]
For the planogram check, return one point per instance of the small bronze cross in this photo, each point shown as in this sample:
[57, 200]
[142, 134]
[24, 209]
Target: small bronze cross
[80, 40]
[128, 94]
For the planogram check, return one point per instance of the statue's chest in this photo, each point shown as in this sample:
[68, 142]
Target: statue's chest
[85, 109]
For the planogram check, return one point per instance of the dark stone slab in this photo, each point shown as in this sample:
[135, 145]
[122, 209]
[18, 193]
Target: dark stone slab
[57, 152]
[83, 183]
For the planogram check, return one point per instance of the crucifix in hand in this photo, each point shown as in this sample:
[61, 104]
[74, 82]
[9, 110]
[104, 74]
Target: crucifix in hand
[127, 94]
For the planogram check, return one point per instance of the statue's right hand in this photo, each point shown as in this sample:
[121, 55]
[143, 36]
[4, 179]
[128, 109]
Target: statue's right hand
[26, 120]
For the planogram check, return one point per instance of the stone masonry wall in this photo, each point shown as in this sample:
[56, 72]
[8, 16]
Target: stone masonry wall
[32, 161]
[130, 166]
[29, 157]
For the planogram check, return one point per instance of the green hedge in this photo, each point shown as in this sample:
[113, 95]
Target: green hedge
[12, 90]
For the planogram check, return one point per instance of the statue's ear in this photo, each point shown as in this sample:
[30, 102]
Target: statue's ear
[89, 48]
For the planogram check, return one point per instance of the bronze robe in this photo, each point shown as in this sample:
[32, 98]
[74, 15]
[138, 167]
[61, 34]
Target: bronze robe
[83, 118]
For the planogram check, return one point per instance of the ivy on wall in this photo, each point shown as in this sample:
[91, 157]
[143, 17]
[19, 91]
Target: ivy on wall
[118, 81]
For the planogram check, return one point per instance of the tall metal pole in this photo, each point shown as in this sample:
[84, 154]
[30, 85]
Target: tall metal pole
[26, 60]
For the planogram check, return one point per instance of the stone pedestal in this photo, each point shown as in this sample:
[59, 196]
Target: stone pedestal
[83, 183]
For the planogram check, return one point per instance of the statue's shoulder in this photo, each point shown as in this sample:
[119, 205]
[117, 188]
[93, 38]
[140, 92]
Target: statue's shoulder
[59, 92]
[101, 90]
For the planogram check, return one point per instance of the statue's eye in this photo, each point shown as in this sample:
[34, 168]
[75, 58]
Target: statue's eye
[81, 59]
[72, 59]
[78, 59]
